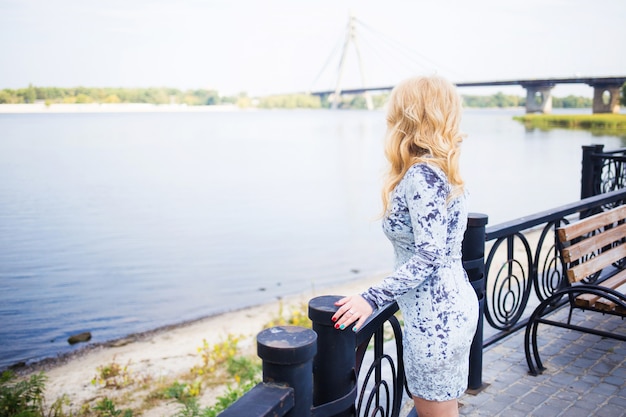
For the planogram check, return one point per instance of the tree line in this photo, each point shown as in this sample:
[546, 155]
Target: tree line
[206, 97]
[502, 101]
[82, 95]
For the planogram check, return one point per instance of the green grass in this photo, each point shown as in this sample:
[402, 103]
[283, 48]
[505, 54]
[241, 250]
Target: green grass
[608, 124]
[25, 397]
[222, 364]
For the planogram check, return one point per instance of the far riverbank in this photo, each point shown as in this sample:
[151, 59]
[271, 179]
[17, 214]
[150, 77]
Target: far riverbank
[110, 108]
[607, 123]
[41, 107]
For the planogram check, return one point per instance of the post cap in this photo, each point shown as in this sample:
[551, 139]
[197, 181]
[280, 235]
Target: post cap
[477, 219]
[322, 308]
[287, 345]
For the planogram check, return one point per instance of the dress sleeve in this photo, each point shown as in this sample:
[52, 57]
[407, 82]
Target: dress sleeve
[426, 198]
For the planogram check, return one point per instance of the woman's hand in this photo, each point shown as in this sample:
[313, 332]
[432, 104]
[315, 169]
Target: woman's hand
[353, 312]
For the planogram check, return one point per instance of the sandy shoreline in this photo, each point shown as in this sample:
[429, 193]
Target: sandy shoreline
[166, 352]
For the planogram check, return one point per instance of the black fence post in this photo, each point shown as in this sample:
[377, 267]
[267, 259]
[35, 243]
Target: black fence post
[474, 264]
[591, 171]
[334, 378]
[287, 353]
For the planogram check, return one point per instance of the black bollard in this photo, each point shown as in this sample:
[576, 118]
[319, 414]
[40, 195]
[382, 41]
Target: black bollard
[474, 264]
[591, 171]
[334, 364]
[287, 353]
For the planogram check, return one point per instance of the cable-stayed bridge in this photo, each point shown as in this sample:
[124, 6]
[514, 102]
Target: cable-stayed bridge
[538, 91]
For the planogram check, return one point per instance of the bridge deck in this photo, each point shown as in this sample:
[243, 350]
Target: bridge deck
[593, 81]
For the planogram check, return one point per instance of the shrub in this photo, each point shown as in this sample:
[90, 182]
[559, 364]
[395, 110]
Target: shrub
[25, 398]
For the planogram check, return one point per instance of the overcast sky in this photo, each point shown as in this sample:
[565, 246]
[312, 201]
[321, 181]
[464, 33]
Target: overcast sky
[284, 46]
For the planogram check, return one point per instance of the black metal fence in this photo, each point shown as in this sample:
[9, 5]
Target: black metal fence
[317, 372]
[322, 372]
[602, 171]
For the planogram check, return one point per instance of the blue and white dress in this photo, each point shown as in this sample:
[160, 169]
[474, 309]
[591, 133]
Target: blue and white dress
[438, 304]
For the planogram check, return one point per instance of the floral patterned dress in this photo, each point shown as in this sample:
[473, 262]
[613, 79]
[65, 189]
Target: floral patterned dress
[438, 304]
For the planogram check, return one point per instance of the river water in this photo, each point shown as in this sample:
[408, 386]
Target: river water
[118, 223]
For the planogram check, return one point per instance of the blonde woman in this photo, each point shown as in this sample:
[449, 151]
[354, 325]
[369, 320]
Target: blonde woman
[425, 217]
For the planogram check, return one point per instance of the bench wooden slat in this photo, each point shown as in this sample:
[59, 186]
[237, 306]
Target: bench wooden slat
[591, 300]
[597, 263]
[588, 224]
[588, 247]
[608, 305]
[592, 243]
[586, 300]
[585, 248]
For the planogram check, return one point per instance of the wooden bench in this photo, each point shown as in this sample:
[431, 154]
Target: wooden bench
[593, 258]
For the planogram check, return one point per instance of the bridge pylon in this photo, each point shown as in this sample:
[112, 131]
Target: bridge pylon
[350, 38]
[606, 97]
[538, 97]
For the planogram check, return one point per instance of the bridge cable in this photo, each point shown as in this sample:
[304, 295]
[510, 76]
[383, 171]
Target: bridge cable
[380, 45]
[333, 53]
[384, 54]
[402, 46]
[393, 43]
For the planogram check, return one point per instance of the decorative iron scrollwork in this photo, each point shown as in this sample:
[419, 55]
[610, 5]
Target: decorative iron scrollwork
[377, 398]
[508, 290]
[612, 177]
[549, 277]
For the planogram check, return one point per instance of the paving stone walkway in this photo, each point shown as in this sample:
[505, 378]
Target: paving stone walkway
[585, 376]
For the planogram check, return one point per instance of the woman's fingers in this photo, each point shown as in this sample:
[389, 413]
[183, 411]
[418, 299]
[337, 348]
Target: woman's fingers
[346, 319]
[352, 313]
[342, 301]
[342, 309]
[359, 323]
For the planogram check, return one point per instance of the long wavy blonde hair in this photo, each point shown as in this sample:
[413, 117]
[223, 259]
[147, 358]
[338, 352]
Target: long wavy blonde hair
[423, 118]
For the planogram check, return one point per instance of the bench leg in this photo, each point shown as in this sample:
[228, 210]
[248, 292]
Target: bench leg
[549, 305]
[530, 344]
[531, 347]
[569, 316]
